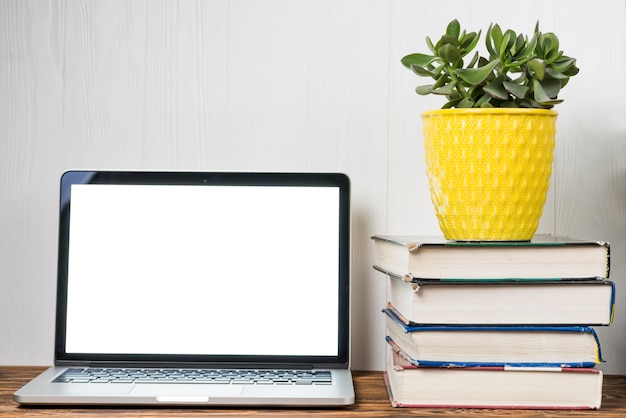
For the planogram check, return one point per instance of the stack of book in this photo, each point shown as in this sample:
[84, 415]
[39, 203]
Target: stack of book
[495, 324]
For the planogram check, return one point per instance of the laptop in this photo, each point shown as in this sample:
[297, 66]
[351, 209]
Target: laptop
[201, 288]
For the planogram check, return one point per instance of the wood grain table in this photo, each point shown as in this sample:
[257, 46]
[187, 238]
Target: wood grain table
[371, 401]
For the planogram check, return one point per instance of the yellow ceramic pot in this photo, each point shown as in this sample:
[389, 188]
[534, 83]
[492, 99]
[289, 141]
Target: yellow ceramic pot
[489, 170]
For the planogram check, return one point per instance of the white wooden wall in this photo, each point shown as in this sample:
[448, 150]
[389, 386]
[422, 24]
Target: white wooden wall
[291, 85]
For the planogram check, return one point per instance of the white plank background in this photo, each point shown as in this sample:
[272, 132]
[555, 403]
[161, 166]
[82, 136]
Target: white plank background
[305, 85]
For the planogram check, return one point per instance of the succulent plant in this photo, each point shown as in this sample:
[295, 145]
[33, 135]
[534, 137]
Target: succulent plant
[518, 72]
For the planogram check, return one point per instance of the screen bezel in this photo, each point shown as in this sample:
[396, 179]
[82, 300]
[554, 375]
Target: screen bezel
[339, 180]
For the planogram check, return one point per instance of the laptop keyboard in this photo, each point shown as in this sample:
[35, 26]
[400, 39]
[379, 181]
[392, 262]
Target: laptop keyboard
[204, 376]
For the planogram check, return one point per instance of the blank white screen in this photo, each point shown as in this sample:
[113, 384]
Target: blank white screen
[203, 270]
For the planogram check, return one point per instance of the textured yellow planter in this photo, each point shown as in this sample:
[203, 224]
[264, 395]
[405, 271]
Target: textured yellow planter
[489, 170]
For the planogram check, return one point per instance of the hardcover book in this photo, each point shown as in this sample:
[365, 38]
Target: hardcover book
[491, 387]
[502, 303]
[545, 257]
[480, 346]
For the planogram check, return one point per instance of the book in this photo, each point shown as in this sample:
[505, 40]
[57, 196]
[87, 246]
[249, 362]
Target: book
[502, 303]
[544, 257]
[480, 346]
[491, 387]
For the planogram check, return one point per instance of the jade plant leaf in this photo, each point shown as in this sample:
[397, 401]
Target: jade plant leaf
[421, 60]
[422, 71]
[563, 64]
[477, 75]
[538, 67]
[444, 90]
[551, 86]
[469, 41]
[541, 96]
[465, 103]
[449, 53]
[424, 90]
[453, 29]
[516, 90]
[496, 89]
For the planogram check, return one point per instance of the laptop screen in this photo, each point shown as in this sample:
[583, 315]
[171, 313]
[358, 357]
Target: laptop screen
[203, 267]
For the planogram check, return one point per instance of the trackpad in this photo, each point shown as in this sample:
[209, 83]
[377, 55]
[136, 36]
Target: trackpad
[186, 393]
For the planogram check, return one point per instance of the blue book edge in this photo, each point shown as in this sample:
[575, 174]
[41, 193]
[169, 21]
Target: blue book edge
[469, 364]
[526, 328]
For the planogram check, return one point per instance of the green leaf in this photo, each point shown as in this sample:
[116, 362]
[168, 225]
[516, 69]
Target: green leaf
[423, 71]
[552, 41]
[421, 60]
[494, 33]
[507, 43]
[477, 75]
[551, 86]
[475, 92]
[473, 61]
[553, 55]
[450, 104]
[514, 65]
[424, 90]
[445, 39]
[516, 90]
[465, 103]
[527, 102]
[482, 61]
[572, 71]
[518, 45]
[496, 90]
[550, 72]
[538, 92]
[450, 53]
[510, 104]
[484, 101]
[546, 45]
[563, 64]
[455, 95]
[446, 90]
[469, 42]
[441, 80]
[538, 67]
[528, 50]
[430, 44]
[541, 96]
[453, 29]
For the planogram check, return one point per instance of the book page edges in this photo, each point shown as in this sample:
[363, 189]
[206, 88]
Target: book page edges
[399, 404]
[398, 366]
[419, 281]
[486, 365]
[394, 315]
[417, 241]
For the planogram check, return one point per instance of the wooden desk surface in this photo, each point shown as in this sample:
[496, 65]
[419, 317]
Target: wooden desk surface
[371, 397]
